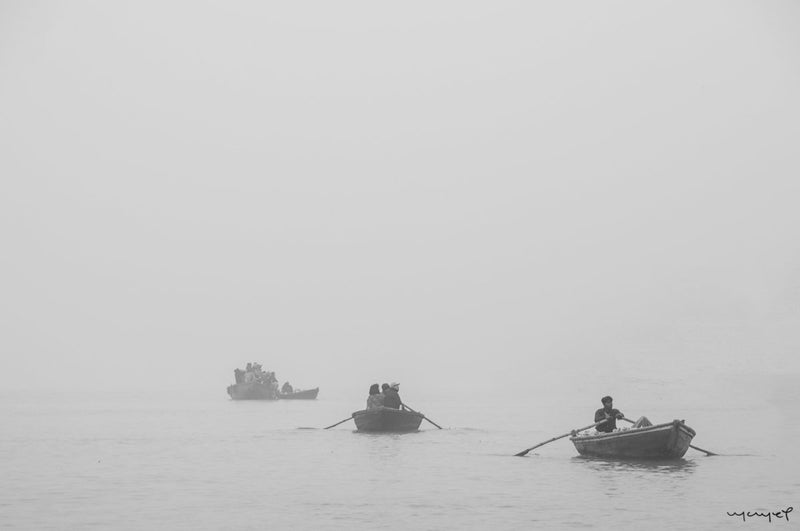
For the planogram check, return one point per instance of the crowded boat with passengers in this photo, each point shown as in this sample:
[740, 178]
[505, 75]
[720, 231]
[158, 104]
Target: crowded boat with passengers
[254, 383]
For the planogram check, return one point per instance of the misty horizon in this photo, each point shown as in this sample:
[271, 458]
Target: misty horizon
[485, 194]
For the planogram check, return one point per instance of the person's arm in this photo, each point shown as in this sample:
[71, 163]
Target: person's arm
[619, 414]
[599, 415]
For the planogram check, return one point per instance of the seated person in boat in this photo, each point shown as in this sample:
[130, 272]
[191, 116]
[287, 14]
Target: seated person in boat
[375, 398]
[607, 412]
[287, 388]
[391, 396]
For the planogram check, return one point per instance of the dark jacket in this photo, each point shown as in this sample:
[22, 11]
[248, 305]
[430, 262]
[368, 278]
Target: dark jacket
[611, 424]
[391, 398]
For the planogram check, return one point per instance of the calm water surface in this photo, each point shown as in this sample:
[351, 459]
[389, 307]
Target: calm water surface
[201, 461]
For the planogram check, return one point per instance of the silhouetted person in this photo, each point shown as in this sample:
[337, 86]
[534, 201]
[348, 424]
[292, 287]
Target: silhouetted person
[375, 398]
[607, 412]
[391, 396]
[287, 388]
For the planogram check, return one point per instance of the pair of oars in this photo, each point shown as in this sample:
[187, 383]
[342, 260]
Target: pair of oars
[596, 424]
[404, 405]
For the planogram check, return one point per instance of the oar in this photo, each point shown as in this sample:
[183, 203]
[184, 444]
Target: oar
[423, 416]
[690, 446]
[345, 420]
[596, 424]
[700, 449]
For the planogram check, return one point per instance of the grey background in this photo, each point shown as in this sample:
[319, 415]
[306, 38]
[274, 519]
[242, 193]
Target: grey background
[448, 194]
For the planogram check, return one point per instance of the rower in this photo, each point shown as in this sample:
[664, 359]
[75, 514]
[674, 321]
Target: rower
[609, 413]
[391, 396]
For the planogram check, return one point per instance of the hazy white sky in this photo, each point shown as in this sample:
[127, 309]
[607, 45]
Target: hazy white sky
[446, 193]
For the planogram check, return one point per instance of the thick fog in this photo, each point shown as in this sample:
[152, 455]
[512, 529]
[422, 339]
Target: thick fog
[453, 195]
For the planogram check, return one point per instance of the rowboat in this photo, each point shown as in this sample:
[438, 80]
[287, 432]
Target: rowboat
[386, 419]
[252, 391]
[308, 394]
[661, 441]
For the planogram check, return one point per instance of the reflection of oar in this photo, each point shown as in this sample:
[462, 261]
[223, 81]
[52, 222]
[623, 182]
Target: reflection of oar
[690, 446]
[345, 420]
[596, 424]
[423, 416]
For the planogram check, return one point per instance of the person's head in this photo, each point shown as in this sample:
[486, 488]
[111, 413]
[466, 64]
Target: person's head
[374, 389]
[385, 386]
[395, 386]
[607, 402]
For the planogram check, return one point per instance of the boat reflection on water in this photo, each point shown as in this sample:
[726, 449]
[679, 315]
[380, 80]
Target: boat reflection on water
[649, 466]
[637, 479]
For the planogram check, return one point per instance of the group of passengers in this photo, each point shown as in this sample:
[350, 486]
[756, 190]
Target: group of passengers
[254, 373]
[384, 396]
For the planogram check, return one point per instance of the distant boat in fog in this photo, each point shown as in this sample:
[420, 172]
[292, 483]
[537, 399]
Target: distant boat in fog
[300, 394]
[254, 383]
[263, 391]
[252, 391]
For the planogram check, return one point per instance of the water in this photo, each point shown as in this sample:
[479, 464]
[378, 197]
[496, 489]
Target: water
[197, 460]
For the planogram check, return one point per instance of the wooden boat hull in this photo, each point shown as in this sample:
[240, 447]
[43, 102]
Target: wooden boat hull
[252, 391]
[386, 419]
[307, 394]
[661, 441]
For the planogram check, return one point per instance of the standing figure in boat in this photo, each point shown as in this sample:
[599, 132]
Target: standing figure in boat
[271, 380]
[249, 374]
